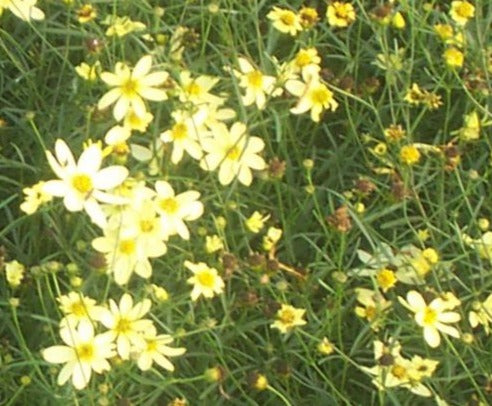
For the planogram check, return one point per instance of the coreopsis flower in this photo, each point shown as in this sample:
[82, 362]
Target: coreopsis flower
[174, 209]
[288, 317]
[126, 324]
[386, 279]
[83, 184]
[461, 12]
[271, 238]
[308, 17]
[307, 59]
[325, 346]
[137, 123]
[415, 95]
[186, 134]
[256, 84]
[255, 222]
[453, 57]
[197, 90]
[394, 133]
[88, 72]
[156, 349]
[234, 152]
[481, 314]
[340, 14]
[446, 33]
[213, 243]
[24, 9]
[83, 353]
[285, 20]
[471, 128]
[78, 308]
[433, 317]
[206, 281]
[313, 95]
[14, 272]
[373, 307]
[398, 21]
[121, 26]
[393, 370]
[409, 155]
[159, 293]
[131, 87]
[86, 13]
[34, 197]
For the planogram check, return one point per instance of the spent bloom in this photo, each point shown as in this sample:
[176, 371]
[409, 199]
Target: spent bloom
[83, 353]
[288, 317]
[433, 317]
[82, 184]
[205, 280]
[340, 14]
[285, 21]
[234, 152]
[126, 325]
[24, 9]
[131, 87]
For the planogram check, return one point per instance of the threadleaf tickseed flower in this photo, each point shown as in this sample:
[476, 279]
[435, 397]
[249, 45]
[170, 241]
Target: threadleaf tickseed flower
[288, 317]
[205, 280]
[285, 21]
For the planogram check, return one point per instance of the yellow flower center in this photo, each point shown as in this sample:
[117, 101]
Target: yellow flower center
[234, 153]
[386, 278]
[169, 205]
[465, 10]
[130, 88]
[399, 371]
[179, 131]
[370, 313]
[320, 96]
[121, 148]
[146, 226]
[151, 345]
[303, 59]
[430, 316]
[255, 79]
[85, 352]
[127, 247]
[123, 326]
[78, 309]
[193, 89]
[82, 183]
[206, 278]
[288, 18]
[287, 316]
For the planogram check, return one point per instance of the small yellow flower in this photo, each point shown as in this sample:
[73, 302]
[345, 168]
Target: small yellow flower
[386, 279]
[394, 133]
[256, 222]
[121, 26]
[159, 293]
[86, 13]
[415, 95]
[454, 57]
[409, 155]
[88, 72]
[14, 271]
[398, 21]
[34, 197]
[461, 12]
[325, 347]
[206, 281]
[340, 14]
[431, 255]
[444, 31]
[271, 238]
[213, 243]
[471, 128]
[308, 16]
[289, 317]
[285, 21]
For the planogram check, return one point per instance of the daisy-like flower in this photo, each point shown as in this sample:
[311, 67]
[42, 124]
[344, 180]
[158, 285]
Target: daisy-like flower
[126, 325]
[186, 134]
[285, 21]
[24, 9]
[288, 317]
[78, 308]
[88, 72]
[373, 307]
[174, 209]
[137, 123]
[197, 90]
[340, 14]
[83, 353]
[131, 87]
[453, 57]
[34, 197]
[205, 280]
[82, 183]
[156, 350]
[461, 12]
[433, 317]
[234, 151]
[256, 221]
[481, 314]
[313, 95]
[306, 59]
[256, 84]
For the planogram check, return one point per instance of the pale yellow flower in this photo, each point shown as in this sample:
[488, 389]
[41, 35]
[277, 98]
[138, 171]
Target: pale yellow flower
[461, 11]
[88, 72]
[234, 152]
[340, 14]
[433, 317]
[205, 280]
[197, 90]
[131, 87]
[126, 324]
[155, 349]
[24, 9]
[78, 308]
[453, 57]
[288, 317]
[82, 354]
[14, 272]
[471, 127]
[34, 197]
[213, 243]
[121, 26]
[83, 184]
[285, 21]
[255, 222]
[137, 123]
[481, 314]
